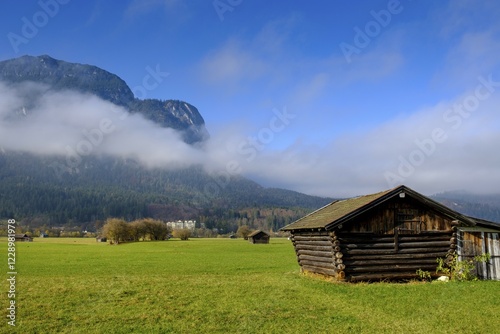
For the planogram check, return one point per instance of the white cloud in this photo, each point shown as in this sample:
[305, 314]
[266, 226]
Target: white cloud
[240, 61]
[357, 163]
[464, 15]
[232, 64]
[69, 123]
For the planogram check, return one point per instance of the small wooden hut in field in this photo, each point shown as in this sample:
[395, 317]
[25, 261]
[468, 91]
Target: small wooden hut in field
[259, 237]
[23, 237]
[390, 235]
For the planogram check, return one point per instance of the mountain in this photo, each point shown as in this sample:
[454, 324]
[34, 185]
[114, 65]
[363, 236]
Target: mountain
[60, 75]
[33, 190]
[480, 206]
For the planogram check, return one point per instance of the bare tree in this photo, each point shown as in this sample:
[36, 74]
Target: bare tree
[182, 234]
[138, 230]
[116, 230]
[155, 229]
[243, 231]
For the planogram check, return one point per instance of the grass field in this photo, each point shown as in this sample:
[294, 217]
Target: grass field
[222, 286]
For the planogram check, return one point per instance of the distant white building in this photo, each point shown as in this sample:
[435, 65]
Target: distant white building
[189, 224]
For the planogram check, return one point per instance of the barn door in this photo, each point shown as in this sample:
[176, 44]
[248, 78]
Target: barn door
[407, 221]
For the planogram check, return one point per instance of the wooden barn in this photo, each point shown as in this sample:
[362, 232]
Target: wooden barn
[23, 237]
[390, 235]
[259, 237]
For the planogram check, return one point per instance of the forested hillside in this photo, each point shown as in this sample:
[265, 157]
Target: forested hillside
[36, 191]
[479, 206]
[31, 190]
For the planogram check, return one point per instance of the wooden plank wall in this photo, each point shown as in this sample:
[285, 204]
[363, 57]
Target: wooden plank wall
[383, 219]
[471, 244]
[370, 257]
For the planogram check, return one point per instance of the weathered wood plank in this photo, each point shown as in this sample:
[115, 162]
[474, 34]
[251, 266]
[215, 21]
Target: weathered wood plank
[353, 235]
[376, 262]
[403, 245]
[328, 254]
[318, 270]
[312, 238]
[401, 238]
[311, 233]
[316, 258]
[313, 248]
[395, 256]
[401, 251]
[359, 235]
[366, 240]
[367, 246]
[326, 265]
[444, 237]
[391, 268]
[314, 243]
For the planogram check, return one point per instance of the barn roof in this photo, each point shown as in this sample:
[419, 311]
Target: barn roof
[254, 233]
[340, 211]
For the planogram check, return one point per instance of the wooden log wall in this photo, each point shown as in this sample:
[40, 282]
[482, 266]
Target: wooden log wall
[317, 253]
[369, 257]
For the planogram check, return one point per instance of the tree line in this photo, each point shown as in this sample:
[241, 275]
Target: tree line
[118, 230]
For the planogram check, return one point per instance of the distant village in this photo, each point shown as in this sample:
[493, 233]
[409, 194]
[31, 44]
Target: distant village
[186, 224]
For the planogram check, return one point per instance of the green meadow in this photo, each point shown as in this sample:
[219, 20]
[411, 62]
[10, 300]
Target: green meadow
[222, 286]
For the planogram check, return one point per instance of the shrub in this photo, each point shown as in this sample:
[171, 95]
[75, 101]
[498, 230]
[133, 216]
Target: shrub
[116, 230]
[243, 231]
[461, 270]
[182, 234]
[424, 275]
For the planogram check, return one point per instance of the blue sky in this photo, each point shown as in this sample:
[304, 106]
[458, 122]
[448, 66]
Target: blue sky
[367, 82]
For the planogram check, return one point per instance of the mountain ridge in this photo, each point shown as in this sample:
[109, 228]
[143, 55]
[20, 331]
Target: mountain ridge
[60, 75]
[103, 187]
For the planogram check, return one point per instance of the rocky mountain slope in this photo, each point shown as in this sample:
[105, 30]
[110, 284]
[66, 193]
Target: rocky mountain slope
[103, 187]
[33, 191]
[60, 75]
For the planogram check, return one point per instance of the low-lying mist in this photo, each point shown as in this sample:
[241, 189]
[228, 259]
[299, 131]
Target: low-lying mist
[434, 149]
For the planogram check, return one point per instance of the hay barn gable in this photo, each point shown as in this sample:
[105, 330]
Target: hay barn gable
[390, 235]
[259, 237]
